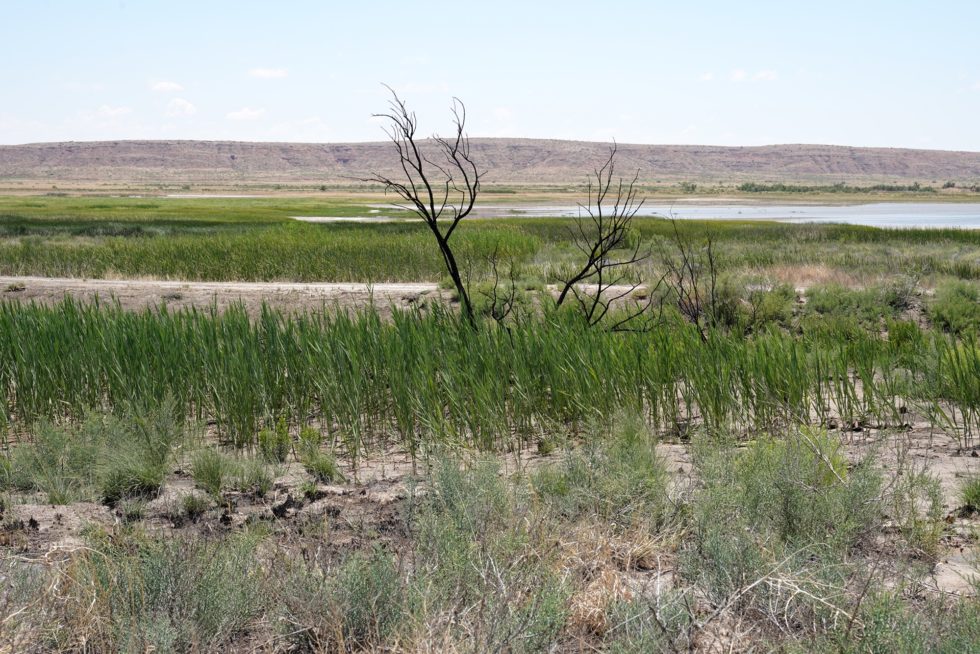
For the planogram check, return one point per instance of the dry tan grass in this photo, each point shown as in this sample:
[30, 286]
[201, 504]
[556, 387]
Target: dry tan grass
[606, 567]
[807, 275]
[589, 608]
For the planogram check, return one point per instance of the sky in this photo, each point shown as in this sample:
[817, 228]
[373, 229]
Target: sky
[861, 73]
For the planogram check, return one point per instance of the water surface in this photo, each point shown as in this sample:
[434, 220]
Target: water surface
[885, 214]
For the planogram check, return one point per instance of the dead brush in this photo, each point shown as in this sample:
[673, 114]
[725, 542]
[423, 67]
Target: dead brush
[32, 597]
[638, 551]
[589, 608]
[607, 569]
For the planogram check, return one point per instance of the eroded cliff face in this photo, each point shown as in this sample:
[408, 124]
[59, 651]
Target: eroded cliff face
[508, 161]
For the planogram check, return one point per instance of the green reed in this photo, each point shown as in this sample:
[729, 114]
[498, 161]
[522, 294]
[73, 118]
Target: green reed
[423, 378]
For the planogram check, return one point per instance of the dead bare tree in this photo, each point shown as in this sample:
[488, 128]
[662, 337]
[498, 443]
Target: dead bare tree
[692, 277]
[440, 184]
[604, 236]
[501, 298]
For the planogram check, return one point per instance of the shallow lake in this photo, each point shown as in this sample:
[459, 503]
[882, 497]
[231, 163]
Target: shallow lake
[885, 214]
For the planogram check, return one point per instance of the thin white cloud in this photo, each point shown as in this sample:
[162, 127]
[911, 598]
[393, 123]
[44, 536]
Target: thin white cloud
[108, 111]
[245, 113]
[976, 86]
[180, 107]
[268, 73]
[503, 113]
[742, 75]
[706, 77]
[166, 87]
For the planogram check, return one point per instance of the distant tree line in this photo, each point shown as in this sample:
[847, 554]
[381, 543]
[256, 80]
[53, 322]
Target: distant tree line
[840, 187]
[975, 187]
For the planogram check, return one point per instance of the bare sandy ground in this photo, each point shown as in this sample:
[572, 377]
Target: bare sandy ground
[136, 294]
[290, 296]
[354, 219]
[372, 500]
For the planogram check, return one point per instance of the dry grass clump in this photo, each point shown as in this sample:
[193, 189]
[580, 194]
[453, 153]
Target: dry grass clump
[608, 570]
[589, 607]
[813, 274]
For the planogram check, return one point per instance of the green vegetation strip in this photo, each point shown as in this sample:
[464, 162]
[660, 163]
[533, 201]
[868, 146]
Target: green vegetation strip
[424, 378]
[257, 240]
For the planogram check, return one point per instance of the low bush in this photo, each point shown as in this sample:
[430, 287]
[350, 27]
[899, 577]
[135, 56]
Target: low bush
[166, 595]
[616, 476]
[274, 444]
[58, 463]
[479, 553]
[970, 494]
[889, 624]
[359, 606]
[321, 465]
[901, 292]
[660, 623]
[106, 457]
[769, 306]
[215, 472]
[773, 523]
[474, 553]
[130, 592]
[917, 509]
[800, 490]
[956, 307]
[864, 307]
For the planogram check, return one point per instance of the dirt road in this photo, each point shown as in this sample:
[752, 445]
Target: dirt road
[142, 293]
[289, 296]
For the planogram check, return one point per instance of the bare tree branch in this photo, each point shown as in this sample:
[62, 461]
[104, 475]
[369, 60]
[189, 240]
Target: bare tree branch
[440, 188]
[607, 273]
[692, 277]
[501, 298]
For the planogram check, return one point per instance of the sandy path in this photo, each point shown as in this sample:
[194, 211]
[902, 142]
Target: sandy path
[141, 293]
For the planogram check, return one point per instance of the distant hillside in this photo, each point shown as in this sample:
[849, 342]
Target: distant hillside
[509, 161]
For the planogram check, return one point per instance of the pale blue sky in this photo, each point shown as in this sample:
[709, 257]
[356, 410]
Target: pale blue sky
[896, 73]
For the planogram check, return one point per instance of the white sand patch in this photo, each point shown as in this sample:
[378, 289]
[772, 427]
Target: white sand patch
[354, 219]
